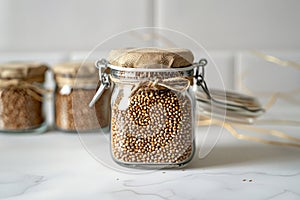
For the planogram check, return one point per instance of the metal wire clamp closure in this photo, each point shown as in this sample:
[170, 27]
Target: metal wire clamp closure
[103, 64]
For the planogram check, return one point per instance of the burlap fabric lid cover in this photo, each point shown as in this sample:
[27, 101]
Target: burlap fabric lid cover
[27, 71]
[76, 73]
[151, 57]
[75, 68]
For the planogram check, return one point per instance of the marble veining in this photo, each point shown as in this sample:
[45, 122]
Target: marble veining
[31, 169]
[131, 183]
[285, 194]
[213, 185]
[143, 195]
[14, 184]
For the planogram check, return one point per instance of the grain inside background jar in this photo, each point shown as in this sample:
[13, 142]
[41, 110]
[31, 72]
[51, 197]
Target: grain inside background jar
[21, 96]
[76, 86]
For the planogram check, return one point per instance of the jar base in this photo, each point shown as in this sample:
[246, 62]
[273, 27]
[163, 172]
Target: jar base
[104, 129]
[149, 166]
[35, 130]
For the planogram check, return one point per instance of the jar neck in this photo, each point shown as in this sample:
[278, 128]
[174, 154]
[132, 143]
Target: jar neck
[136, 76]
[76, 82]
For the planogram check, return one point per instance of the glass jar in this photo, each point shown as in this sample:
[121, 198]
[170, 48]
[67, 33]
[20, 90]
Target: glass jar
[152, 112]
[75, 86]
[21, 97]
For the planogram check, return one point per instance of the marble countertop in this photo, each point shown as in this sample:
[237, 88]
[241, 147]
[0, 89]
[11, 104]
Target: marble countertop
[56, 165]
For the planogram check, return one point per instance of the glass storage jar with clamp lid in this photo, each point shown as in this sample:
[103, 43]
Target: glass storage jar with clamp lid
[152, 105]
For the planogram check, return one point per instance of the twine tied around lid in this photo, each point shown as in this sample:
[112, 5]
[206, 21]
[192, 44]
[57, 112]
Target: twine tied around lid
[28, 85]
[178, 84]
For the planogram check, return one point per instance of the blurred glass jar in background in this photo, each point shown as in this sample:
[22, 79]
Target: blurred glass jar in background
[22, 97]
[76, 84]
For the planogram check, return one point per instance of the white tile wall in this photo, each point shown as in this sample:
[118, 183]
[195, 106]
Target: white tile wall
[234, 24]
[54, 30]
[265, 79]
[220, 73]
[49, 58]
[260, 76]
[55, 25]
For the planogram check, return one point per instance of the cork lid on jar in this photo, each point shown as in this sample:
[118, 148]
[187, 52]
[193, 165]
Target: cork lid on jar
[151, 57]
[27, 71]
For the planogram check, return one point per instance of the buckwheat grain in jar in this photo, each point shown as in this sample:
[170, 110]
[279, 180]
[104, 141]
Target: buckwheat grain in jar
[22, 97]
[76, 84]
[152, 106]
